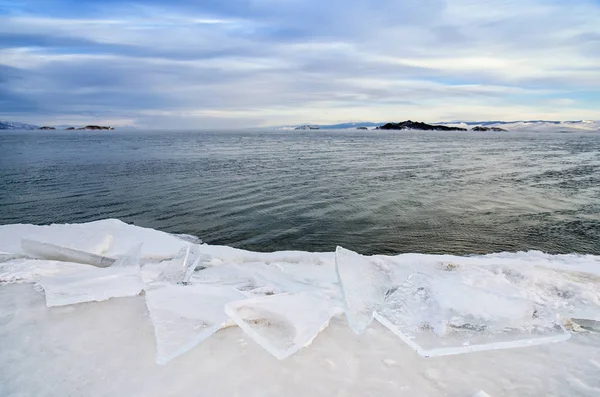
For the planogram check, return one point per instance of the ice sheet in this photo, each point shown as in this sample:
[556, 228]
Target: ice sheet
[438, 317]
[185, 315]
[364, 282]
[285, 323]
[108, 237]
[36, 249]
[95, 284]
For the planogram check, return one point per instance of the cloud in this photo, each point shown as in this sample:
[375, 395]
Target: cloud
[266, 62]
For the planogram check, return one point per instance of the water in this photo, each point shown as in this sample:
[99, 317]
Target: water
[374, 192]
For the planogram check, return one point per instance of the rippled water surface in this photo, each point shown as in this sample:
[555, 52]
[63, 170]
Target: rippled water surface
[375, 192]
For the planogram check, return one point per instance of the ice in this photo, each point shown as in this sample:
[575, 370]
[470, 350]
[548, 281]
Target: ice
[477, 302]
[364, 282]
[438, 317]
[180, 268]
[48, 251]
[185, 315]
[107, 237]
[252, 278]
[90, 284]
[285, 323]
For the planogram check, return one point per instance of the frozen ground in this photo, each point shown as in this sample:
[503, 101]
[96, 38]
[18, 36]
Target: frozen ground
[290, 305]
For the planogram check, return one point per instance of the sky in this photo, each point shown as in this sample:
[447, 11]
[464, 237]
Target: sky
[244, 63]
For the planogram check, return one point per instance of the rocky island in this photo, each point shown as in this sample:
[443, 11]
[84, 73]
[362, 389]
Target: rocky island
[90, 127]
[47, 128]
[417, 125]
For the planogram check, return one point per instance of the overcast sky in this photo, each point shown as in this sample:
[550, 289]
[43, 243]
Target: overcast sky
[230, 63]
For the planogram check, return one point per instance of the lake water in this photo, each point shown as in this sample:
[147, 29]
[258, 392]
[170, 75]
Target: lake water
[370, 191]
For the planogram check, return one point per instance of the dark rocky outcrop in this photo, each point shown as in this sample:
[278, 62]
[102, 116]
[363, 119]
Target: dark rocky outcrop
[92, 127]
[480, 128]
[307, 127]
[47, 128]
[70, 128]
[361, 128]
[97, 127]
[416, 125]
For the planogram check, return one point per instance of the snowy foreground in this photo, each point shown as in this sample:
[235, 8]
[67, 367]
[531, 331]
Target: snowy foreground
[110, 309]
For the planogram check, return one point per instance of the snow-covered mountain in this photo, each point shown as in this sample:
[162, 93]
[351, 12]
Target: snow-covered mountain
[533, 125]
[11, 125]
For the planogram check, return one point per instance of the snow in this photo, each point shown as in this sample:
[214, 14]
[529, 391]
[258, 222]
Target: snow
[507, 310]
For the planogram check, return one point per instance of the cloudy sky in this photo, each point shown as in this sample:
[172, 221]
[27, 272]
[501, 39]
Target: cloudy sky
[229, 63]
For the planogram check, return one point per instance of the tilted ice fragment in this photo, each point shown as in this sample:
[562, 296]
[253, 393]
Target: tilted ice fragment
[185, 315]
[285, 323]
[95, 284]
[364, 282]
[437, 317]
[180, 268]
[48, 251]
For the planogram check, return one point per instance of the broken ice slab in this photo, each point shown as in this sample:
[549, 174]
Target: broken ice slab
[437, 317]
[91, 284]
[185, 315]
[285, 323]
[252, 278]
[364, 282]
[180, 268]
[53, 252]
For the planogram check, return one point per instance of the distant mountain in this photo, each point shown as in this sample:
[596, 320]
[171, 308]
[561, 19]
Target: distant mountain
[11, 125]
[340, 126]
[532, 125]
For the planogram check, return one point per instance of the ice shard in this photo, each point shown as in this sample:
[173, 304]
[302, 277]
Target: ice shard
[48, 251]
[185, 315]
[89, 284]
[364, 282]
[437, 317]
[285, 323]
[181, 268]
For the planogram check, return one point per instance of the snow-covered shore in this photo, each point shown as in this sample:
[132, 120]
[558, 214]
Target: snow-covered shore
[289, 323]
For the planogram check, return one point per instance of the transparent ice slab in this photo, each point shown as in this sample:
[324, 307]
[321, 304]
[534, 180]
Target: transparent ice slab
[92, 284]
[53, 252]
[285, 323]
[180, 268]
[437, 317]
[364, 282]
[185, 315]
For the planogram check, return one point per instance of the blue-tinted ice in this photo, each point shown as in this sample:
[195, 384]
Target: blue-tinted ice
[438, 317]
